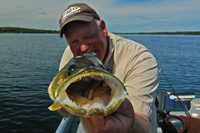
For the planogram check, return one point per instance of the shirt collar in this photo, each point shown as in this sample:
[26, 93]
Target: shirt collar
[108, 62]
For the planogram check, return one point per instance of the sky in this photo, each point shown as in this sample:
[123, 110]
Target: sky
[120, 15]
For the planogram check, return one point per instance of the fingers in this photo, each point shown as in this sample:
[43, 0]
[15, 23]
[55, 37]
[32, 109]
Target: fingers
[64, 113]
[121, 120]
[125, 114]
[94, 124]
[125, 108]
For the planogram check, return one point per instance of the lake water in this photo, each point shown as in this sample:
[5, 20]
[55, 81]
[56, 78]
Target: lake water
[28, 62]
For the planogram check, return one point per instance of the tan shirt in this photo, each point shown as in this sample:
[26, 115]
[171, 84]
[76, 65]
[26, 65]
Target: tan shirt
[137, 68]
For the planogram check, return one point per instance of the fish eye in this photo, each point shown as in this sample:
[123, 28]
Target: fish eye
[71, 69]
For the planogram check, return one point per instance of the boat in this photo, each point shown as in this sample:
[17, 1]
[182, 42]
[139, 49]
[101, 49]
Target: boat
[169, 103]
[182, 103]
[172, 105]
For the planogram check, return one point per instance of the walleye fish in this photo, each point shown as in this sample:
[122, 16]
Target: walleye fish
[78, 88]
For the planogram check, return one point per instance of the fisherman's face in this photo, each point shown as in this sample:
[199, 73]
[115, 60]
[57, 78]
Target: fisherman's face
[81, 36]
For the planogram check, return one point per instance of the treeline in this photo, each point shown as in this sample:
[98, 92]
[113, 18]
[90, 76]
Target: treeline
[25, 30]
[28, 30]
[168, 33]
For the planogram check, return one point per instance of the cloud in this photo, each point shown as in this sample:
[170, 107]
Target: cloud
[41, 13]
[119, 15]
[19, 6]
[166, 12]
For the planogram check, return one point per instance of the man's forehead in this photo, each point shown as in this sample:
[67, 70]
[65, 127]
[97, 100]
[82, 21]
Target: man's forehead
[79, 25]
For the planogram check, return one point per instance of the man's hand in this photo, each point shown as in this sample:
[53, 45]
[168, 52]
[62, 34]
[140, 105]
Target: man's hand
[64, 113]
[122, 120]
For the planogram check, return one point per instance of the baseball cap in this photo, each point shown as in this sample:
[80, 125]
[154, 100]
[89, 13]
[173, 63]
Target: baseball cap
[77, 12]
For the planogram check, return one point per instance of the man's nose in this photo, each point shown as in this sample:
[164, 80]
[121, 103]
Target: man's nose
[84, 48]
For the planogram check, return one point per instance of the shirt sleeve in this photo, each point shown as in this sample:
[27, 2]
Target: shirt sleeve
[141, 82]
[137, 68]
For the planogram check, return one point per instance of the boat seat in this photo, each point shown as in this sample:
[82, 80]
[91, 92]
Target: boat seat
[195, 108]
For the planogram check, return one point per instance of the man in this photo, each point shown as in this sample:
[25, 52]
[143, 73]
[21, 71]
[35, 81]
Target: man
[131, 62]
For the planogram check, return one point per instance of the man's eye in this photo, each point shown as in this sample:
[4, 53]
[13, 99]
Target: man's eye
[89, 36]
[74, 43]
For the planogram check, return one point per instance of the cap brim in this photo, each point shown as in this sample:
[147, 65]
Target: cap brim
[76, 18]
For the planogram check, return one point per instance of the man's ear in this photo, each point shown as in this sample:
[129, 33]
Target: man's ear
[103, 27]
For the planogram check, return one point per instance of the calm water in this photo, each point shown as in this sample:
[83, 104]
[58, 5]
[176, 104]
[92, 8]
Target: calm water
[28, 63]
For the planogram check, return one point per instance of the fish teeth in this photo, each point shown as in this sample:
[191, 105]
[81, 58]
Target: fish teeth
[74, 102]
[101, 74]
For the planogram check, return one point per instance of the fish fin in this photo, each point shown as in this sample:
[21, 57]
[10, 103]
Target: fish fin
[55, 106]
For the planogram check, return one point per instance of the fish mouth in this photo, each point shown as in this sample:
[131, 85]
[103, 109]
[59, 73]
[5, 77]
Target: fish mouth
[91, 92]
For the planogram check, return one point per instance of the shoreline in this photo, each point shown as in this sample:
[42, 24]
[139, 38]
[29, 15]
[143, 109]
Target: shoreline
[19, 30]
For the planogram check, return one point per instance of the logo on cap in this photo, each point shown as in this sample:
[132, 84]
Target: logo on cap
[71, 10]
